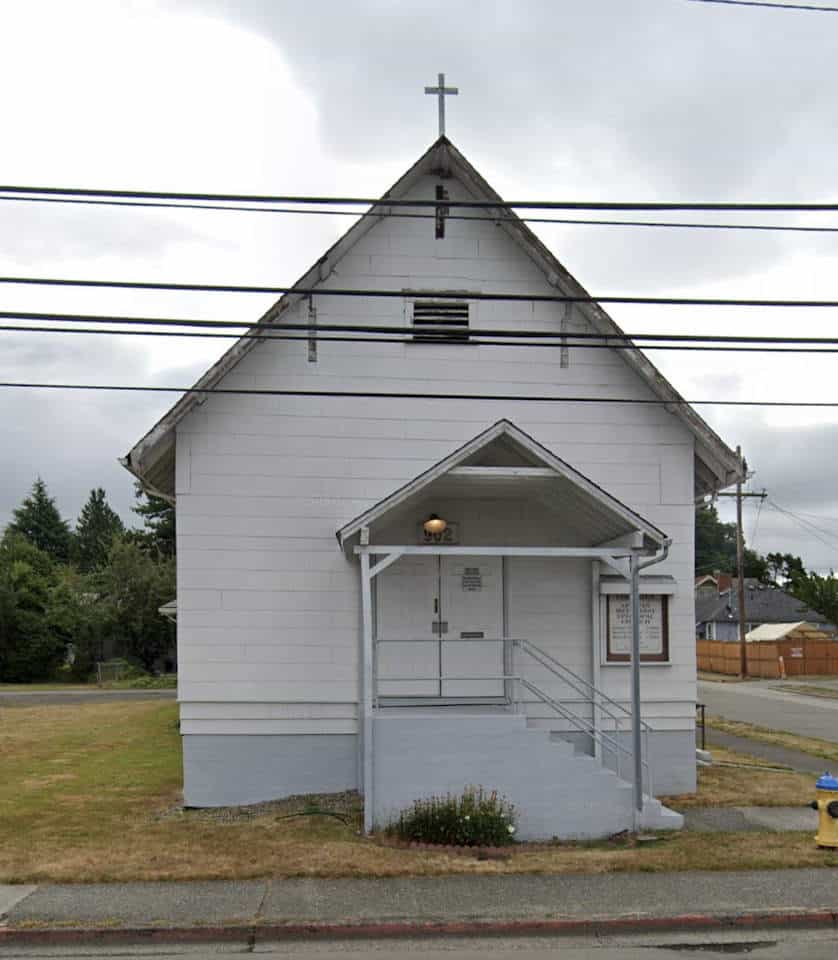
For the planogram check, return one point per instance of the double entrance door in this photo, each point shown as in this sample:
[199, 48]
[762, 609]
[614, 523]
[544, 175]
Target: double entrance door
[439, 628]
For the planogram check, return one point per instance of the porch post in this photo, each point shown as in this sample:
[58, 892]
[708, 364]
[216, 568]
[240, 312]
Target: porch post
[636, 746]
[367, 691]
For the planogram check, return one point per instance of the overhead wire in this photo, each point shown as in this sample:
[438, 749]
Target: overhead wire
[506, 297]
[388, 202]
[407, 395]
[813, 530]
[775, 4]
[562, 338]
[482, 342]
[305, 211]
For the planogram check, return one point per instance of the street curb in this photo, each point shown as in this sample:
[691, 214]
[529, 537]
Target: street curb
[251, 934]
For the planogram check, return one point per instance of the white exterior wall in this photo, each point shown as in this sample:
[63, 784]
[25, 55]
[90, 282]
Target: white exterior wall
[268, 606]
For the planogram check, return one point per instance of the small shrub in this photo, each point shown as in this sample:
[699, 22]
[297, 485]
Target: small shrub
[476, 818]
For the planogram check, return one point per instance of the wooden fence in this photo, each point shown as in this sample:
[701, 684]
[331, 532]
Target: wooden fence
[802, 656]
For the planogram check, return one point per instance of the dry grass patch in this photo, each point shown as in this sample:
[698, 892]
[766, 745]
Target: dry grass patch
[90, 794]
[811, 745]
[738, 780]
[811, 690]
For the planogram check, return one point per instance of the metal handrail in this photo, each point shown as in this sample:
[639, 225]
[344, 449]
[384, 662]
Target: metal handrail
[588, 692]
[559, 668]
[590, 729]
[562, 672]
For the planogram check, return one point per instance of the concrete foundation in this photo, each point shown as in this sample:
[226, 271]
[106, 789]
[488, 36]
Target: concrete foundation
[221, 771]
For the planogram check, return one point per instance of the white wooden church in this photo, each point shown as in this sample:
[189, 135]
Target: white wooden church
[406, 595]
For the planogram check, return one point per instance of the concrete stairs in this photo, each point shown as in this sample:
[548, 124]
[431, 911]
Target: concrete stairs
[556, 791]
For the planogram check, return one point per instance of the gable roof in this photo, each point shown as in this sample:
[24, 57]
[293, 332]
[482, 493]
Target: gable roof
[607, 517]
[763, 604]
[717, 466]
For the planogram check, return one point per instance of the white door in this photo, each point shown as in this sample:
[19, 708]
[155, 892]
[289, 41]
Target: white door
[407, 639]
[472, 607]
[440, 617]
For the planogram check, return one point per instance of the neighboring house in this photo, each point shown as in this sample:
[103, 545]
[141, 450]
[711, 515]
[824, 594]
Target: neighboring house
[717, 614]
[389, 592]
[712, 584]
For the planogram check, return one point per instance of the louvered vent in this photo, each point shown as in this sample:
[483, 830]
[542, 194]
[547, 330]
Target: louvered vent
[440, 321]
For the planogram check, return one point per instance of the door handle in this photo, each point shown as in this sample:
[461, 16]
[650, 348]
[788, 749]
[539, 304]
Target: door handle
[472, 635]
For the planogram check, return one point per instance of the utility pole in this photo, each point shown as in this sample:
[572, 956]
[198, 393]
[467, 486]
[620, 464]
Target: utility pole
[740, 563]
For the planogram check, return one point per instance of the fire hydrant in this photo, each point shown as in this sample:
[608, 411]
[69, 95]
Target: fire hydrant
[827, 806]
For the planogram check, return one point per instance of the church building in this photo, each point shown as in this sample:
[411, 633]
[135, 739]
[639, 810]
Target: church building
[408, 562]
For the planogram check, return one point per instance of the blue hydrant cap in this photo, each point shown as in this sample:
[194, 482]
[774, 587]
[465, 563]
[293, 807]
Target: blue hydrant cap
[827, 782]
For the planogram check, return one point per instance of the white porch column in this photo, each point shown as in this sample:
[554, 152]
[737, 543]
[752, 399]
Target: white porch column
[367, 691]
[637, 743]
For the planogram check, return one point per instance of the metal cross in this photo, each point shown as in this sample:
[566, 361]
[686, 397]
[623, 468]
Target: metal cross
[442, 91]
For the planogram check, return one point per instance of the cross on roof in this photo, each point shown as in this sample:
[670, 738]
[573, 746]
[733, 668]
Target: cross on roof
[441, 91]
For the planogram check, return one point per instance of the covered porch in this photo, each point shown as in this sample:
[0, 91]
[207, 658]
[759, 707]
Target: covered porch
[483, 636]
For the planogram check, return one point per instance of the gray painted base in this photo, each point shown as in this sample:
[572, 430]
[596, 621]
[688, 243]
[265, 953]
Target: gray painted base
[224, 771]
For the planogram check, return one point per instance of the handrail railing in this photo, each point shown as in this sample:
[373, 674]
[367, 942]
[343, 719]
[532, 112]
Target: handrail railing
[589, 728]
[585, 689]
[594, 694]
[560, 670]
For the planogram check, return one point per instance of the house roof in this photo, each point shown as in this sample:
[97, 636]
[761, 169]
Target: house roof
[763, 604]
[772, 631]
[151, 459]
[558, 482]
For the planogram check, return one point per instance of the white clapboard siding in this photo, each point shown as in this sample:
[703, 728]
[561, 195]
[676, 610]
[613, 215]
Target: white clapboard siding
[269, 608]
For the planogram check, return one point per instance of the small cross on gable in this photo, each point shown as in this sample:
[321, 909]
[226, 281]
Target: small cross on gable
[441, 91]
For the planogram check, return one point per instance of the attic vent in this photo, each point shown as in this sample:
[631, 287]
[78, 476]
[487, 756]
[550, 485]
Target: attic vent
[440, 321]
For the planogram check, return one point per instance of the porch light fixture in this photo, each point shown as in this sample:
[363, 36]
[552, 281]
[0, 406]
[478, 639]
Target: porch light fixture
[434, 524]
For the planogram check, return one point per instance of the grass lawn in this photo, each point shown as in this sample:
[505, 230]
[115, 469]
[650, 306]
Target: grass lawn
[90, 793]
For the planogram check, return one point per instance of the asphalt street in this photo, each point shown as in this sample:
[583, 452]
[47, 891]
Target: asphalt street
[767, 945]
[44, 698]
[768, 705]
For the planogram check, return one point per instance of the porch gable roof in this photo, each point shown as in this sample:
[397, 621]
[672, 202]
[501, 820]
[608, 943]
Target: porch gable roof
[544, 464]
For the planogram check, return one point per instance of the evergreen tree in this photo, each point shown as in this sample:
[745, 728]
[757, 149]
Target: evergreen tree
[37, 520]
[96, 528]
[159, 522]
[30, 645]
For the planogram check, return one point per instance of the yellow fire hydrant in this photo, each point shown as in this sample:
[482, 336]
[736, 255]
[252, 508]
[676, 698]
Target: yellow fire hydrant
[827, 806]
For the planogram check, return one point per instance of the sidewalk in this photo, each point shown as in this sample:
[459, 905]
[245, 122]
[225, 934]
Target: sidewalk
[265, 910]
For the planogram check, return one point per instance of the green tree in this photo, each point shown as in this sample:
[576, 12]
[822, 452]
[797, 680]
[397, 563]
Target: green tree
[96, 528]
[819, 593]
[715, 546]
[158, 517]
[784, 567]
[715, 542]
[30, 646]
[38, 520]
[133, 586]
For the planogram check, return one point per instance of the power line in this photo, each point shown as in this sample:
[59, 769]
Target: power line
[431, 204]
[561, 337]
[421, 294]
[303, 211]
[809, 528]
[397, 395]
[775, 5]
[482, 342]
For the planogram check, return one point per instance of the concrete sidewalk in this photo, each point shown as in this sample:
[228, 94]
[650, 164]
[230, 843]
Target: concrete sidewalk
[274, 909]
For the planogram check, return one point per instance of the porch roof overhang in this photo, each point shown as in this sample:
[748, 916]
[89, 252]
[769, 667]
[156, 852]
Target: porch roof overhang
[532, 472]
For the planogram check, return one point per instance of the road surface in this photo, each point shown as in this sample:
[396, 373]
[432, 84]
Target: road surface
[42, 698]
[768, 945]
[768, 705]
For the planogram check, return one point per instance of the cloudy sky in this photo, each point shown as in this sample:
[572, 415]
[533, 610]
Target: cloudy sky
[559, 99]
